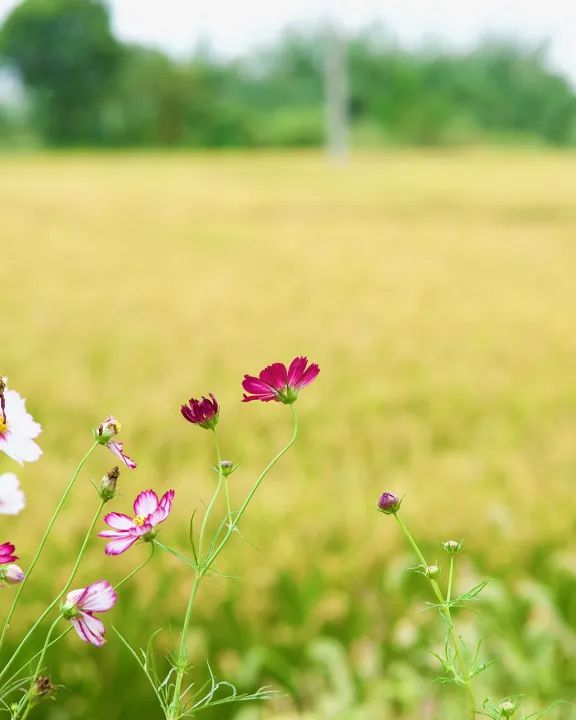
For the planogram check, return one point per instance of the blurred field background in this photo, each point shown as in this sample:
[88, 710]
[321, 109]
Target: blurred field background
[170, 225]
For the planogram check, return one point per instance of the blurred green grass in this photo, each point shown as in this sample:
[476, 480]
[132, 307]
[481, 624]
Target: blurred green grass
[437, 293]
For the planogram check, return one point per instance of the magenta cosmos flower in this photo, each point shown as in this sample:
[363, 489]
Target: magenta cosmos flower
[9, 573]
[276, 382]
[126, 530]
[7, 551]
[105, 434]
[18, 428]
[203, 412]
[81, 605]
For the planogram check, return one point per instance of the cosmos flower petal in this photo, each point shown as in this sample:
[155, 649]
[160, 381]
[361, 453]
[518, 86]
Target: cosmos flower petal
[12, 500]
[275, 375]
[296, 370]
[118, 449]
[310, 375]
[119, 521]
[74, 595]
[20, 449]
[163, 510]
[100, 596]
[120, 545]
[90, 629]
[146, 503]
[7, 555]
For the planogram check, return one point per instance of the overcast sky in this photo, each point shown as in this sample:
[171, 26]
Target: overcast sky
[235, 25]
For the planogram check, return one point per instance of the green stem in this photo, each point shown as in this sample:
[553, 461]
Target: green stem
[26, 702]
[136, 569]
[450, 578]
[174, 709]
[445, 610]
[221, 474]
[31, 660]
[234, 524]
[64, 590]
[43, 543]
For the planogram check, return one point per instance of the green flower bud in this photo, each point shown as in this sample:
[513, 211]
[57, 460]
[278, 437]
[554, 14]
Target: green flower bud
[452, 546]
[507, 709]
[432, 571]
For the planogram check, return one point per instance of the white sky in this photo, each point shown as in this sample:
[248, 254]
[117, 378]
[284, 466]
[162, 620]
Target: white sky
[234, 25]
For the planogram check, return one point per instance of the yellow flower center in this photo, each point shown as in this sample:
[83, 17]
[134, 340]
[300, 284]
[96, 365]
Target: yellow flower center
[139, 520]
[3, 425]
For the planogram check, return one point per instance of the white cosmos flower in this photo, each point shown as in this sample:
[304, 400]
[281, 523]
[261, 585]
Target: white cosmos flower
[12, 499]
[18, 432]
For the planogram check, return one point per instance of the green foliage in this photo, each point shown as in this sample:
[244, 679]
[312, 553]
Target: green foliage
[66, 55]
[89, 88]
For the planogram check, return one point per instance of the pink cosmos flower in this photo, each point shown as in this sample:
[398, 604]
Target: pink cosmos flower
[12, 499]
[18, 429]
[104, 434]
[148, 512]
[276, 382]
[81, 605]
[203, 412]
[7, 556]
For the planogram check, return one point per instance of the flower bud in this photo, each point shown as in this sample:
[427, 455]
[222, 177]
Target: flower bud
[452, 546]
[432, 571]
[108, 484]
[389, 503]
[43, 686]
[11, 574]
[107, 429]
[507, 708]
[226, 467]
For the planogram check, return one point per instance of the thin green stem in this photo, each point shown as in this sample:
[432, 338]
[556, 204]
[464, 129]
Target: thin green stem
[43, 542]
[174, 709]
[31, 660]
[445, 610]
[450, 579]
[182, 661]
[137, 568]
[207, 514]
[221, 474]
[176, 554]
[26, 702]
[64, 590]
[234, 524]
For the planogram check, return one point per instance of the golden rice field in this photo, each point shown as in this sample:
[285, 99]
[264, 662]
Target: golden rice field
[438, 294]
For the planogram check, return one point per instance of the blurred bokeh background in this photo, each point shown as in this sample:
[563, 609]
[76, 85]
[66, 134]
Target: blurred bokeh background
[188, 194]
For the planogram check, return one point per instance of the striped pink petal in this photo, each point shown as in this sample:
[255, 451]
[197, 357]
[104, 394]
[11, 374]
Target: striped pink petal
[90, 629]
[119, 521]
[100, 596]
[146, 503]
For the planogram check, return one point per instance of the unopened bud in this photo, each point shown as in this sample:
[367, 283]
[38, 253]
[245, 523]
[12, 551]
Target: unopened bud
[452, 546]
[108, 484]
[11, 574]
[389, 503]
[107, 429]
[432, 571]
[43, 686]
[226, 467]
[507, 709]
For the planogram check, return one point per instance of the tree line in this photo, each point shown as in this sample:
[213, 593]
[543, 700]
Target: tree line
[84, 87]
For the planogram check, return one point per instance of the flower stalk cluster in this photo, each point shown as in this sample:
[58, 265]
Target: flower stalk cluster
[24, 681]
